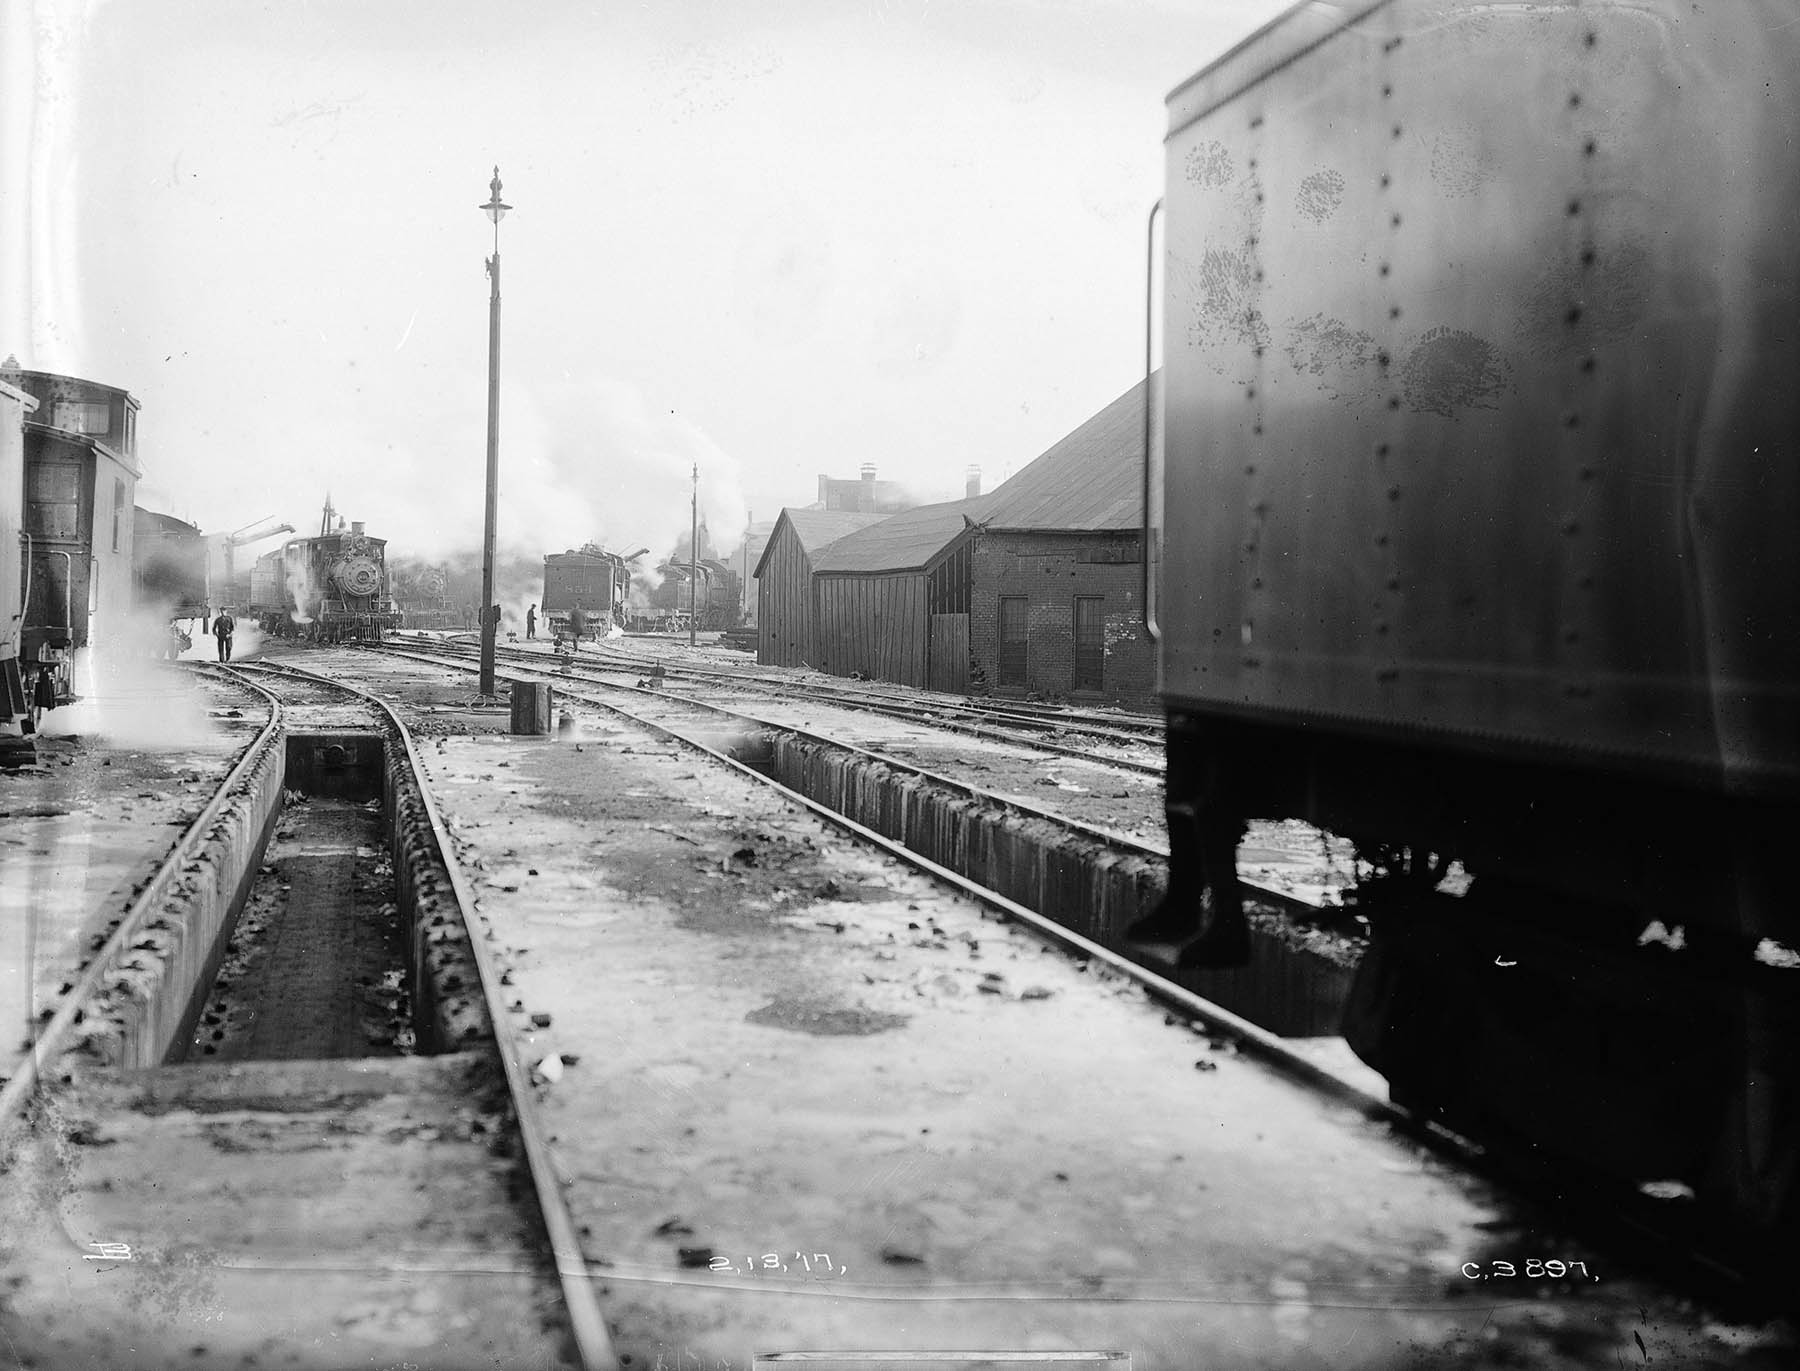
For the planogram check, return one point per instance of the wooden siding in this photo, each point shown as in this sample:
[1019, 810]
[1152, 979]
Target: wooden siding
[784, 602]
[950, 652]
[873, 625]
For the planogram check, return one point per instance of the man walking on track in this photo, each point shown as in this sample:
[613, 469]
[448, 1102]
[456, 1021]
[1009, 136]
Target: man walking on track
[223, 626]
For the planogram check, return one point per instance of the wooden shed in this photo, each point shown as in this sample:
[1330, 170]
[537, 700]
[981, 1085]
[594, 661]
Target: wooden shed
[784, 580]
[891, 601]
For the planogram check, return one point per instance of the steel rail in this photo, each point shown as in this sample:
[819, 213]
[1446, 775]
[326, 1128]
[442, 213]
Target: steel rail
[1111, 837]
[1124, 729]
[898, 709]
[1250, 1038]
[49, 1044]
[594, 1345]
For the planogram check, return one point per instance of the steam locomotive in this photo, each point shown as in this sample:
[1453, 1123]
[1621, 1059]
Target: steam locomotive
[1476, 546]
[331, 588]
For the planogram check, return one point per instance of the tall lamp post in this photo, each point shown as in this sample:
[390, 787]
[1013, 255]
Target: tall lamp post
[489, 616]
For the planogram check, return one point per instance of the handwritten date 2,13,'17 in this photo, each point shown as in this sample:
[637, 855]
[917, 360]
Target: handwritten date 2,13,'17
[1532, 1269]
[777, 1264]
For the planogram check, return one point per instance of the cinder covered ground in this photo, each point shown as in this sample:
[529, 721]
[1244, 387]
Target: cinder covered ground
[81, 832]
[768, 1049]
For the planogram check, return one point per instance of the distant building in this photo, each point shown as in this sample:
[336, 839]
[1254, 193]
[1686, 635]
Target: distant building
[746, 559]
[81, 473]
[865, 495]
[1058, 568]
[784, 574]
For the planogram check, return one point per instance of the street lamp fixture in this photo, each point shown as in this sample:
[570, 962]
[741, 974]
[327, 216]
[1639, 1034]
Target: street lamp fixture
[496, 210]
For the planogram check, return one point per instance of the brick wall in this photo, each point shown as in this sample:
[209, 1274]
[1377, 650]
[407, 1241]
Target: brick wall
[1049, 570]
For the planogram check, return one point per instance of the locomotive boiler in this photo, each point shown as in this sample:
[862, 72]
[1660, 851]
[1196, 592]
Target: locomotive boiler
[1476, 545]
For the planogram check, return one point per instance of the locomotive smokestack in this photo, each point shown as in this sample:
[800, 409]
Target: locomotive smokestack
[972, 486]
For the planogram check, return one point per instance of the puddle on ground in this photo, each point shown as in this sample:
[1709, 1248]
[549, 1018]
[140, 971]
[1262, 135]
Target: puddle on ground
[823, 1019]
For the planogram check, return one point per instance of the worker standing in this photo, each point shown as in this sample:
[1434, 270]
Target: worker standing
[223, 627]
[531, 622]
[577, 625]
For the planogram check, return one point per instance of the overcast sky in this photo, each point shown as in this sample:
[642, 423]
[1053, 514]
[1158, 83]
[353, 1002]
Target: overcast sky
[775, 237]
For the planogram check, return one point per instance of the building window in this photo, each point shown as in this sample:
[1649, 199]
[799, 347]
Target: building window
[1090, 642]
[118, 512]
[1013, 620]
[82, 416]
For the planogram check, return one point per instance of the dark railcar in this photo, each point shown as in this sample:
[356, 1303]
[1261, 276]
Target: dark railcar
[588, 578]
[716, 601]
[170, 566]
[1478, 507]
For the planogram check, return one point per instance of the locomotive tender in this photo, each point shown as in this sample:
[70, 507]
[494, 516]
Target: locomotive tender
[1478, 545]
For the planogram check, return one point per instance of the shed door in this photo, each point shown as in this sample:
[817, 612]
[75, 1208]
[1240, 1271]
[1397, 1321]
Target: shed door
[1090, 642]
[1013, 621]
[950, 652]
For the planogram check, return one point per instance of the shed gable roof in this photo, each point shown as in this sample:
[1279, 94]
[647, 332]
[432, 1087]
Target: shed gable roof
[816, 529]
[907, 541]
[1092, 480]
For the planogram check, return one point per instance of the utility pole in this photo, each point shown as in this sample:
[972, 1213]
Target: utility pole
[693, 554]
[496, 211]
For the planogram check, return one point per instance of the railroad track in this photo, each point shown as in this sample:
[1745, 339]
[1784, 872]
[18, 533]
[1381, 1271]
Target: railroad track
[593, 1345]
[1611, 1211]
[1027, 725]
[1215, 1018]
[493, 1071]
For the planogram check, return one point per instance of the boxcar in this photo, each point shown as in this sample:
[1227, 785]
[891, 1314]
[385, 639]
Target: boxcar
[1477, 546]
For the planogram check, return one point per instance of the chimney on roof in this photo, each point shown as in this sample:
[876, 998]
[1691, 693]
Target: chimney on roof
[868, 471]
[972, 485]
[865, 494]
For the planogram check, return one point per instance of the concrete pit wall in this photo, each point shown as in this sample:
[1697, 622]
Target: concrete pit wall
[449, 1010]
[147, 1005]
[1080, 883]
[147, 1008]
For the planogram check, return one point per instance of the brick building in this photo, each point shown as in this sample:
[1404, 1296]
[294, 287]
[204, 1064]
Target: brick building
[1058, 569]
[865, 495]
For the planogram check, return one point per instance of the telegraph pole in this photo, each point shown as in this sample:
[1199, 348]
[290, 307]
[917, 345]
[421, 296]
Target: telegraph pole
[489, 619]
[693, 554]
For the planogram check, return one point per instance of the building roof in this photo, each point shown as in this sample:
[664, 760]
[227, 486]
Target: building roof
[817, 529]
[1090, 481]
[906, 541]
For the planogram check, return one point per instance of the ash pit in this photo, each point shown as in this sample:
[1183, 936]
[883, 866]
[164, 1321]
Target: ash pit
[317, 965]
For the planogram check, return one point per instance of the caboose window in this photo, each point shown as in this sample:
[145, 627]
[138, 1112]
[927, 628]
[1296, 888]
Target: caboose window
[118, 511]
[82, 416]
[53, 501]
